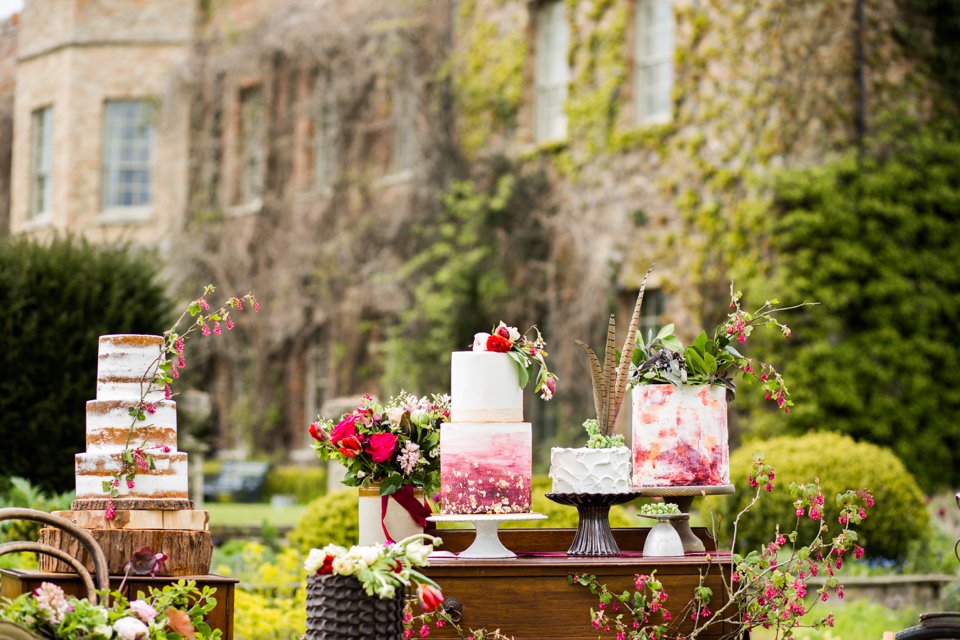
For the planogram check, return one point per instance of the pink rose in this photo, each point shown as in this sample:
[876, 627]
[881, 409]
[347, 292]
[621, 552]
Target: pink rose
[344, 429]
[381, 446]
[498, 344]
[143, 610]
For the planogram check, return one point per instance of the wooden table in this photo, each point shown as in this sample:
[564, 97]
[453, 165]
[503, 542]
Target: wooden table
[529, 596]
[14, 582]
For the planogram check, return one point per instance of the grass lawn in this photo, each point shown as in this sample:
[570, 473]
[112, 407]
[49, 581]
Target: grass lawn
[235, 514]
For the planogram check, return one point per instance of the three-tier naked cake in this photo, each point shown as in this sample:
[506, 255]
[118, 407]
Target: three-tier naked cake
[152, 508]
[486, 450]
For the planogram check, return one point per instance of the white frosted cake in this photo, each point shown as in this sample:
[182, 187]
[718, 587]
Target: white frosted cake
[127, 365]
[680, 436]
[486, 450]
[585, 470]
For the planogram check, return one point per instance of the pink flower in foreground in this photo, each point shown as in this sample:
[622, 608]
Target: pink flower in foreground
[143, 610]
[381, 446]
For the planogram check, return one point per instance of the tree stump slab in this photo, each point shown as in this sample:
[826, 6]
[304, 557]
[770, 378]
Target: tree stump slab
[189, 552]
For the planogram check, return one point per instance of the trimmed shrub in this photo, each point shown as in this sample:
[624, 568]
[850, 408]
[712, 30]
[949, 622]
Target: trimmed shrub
[333, 518]
[57, 299]
[840, 463]
[24, 495]
[303, 483]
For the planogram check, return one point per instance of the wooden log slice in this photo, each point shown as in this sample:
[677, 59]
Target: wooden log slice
[189, 552]
[134, 504]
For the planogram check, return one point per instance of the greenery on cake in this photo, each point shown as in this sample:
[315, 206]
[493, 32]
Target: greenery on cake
[662, 359]
[529, 354]
[597, 440]
[610, 379]
[659, 509]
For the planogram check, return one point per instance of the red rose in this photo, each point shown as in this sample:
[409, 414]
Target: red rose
[503, 332]
[327, 567]
[344, 429]
[430, 597]
[381, 446]
[350, 446]
[498, 344]
[317, 432]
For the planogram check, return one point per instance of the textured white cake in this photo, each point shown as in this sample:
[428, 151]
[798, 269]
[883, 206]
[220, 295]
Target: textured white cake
[585, 470]
[484, 387]
[127, 364]
[680, 436]
[486, 450]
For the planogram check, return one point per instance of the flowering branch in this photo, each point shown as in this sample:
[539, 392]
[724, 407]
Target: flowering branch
[160, 374]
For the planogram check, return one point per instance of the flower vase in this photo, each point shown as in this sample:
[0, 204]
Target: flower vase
[680, 436]
[380, 516]
[339, 609]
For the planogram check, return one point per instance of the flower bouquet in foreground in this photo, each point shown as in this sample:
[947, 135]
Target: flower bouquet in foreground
[774, 587]
[175, 611]
[393, 445]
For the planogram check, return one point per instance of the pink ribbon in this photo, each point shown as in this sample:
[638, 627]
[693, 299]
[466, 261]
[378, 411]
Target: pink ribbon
[405, 498]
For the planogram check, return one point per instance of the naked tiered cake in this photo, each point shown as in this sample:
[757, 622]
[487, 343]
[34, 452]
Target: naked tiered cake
[486, 450]
[127, 365]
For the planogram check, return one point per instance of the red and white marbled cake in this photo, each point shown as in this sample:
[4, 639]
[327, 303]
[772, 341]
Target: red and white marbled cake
[485, 467]
[126, 368]
[680, 436]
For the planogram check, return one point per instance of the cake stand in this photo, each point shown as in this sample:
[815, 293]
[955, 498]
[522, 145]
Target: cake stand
[487, 543]
[662, 539]
[594, 537]
[683, 498]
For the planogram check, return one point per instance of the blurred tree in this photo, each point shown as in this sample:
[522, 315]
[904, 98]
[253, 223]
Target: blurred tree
[57, 299]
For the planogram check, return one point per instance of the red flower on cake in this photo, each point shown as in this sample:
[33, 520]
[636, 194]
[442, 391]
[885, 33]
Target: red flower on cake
[430, 597]
[350, 447]
[498, 344]
[344, 429]
[381, 446]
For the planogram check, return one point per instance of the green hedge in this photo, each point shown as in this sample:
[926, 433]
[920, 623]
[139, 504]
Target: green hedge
[333, 517]
[57, 299]
[897, 518]
[303, 483]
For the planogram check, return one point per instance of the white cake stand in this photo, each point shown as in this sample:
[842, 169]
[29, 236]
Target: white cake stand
[487, 543]
[683, 496]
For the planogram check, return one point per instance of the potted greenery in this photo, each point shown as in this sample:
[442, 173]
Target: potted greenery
[680, 397]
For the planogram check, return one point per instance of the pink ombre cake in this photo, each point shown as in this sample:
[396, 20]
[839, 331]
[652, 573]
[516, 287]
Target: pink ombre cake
[680, 436]
[486, 451]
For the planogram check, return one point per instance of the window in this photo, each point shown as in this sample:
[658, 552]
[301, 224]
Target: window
[406, 150]
[651, 313]
[41, 161]
[552, 73]
[653, 79]
[126, 153]
[325, 138]
[251, 146]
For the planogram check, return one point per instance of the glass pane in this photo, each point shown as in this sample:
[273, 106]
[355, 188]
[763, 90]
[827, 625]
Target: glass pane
[128, 133]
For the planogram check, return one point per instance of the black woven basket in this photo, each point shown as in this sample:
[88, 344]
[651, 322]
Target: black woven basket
[338, 609]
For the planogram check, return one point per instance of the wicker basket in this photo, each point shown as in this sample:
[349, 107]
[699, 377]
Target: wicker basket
[338, 609]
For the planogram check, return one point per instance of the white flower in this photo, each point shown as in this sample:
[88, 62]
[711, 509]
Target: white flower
[51, 600]
[394, 414]
[130, 628]
[104, 631]
[418, 553]
[143, 610]
[334, 550]
[314, 560]
[386, 591]
[480, 341]
[409, 457]
[512, 331]
[369, 555]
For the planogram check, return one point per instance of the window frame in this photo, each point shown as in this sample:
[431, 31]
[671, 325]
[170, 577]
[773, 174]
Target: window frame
[114, 188]
[41, 161]
[551, 72]
[646, 37]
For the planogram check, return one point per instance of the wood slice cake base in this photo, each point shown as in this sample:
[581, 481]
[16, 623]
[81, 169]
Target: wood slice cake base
[143, 504]
[182, 535]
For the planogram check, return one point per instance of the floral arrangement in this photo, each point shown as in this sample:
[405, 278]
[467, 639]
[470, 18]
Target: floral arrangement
[610, 379]
[396, 444]
[662, 359]
[767, 587]
[177, 610]
[528, 353]
[382, 569]
[138, 456]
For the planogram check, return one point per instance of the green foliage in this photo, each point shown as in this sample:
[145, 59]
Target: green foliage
[483, 249]
[854, 619]
[57, 299]
[596, 440]
[304, 483]
[897, 518]
[876, 244]
[21, 493]
[329, 519]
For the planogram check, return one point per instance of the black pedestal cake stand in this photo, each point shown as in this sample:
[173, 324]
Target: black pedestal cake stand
[593, 537]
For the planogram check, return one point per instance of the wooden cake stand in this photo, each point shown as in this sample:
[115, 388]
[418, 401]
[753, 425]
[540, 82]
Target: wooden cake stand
[593, 537]
[487, 542]
[683, 498]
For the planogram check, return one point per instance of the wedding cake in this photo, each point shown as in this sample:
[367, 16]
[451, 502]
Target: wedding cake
[486, 450]
[127, 365]
[680, 436]
[585, 470]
